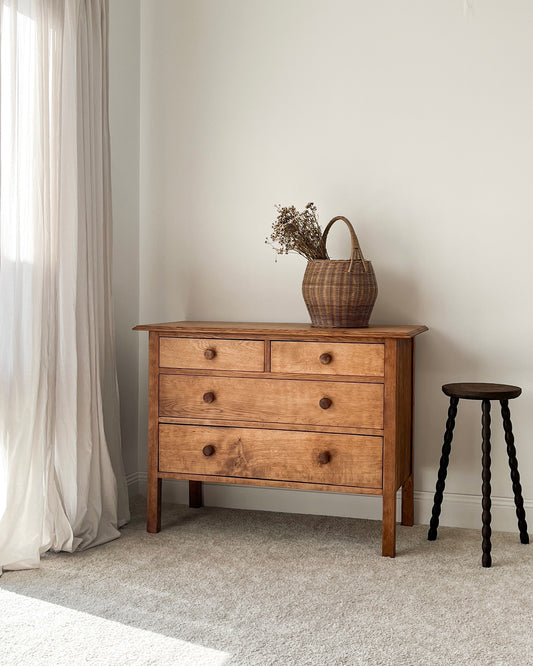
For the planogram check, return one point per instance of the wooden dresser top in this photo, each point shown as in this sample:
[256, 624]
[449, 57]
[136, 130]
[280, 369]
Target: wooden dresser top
[300, 331]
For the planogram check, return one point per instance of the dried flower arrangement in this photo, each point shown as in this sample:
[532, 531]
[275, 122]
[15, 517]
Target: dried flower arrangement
[298, 232]
[337, 293]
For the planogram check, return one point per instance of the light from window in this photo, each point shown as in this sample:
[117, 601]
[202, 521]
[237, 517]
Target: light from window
[18, 133]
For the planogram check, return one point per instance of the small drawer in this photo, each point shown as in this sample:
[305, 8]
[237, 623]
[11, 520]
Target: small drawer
[328, 358]
[349, 404]
[212, 354]
[308, 457]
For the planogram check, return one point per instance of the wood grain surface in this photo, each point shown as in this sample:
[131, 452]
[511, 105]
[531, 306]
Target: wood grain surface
[211, 354]
[337, 358]
[267, 400]
[261, 329]
[348, 460]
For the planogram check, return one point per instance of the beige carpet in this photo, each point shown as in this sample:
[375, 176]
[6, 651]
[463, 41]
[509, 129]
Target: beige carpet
[220, 586]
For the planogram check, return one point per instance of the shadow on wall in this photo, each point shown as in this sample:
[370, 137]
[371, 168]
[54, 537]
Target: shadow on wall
[444, 354]
[237, 292]
[399, 298]
[440, 359]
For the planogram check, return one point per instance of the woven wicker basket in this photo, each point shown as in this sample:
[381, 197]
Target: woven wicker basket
[340, 293]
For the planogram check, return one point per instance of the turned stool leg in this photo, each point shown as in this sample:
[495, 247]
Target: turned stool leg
[515, 476]
[443, 469]
[486, 532]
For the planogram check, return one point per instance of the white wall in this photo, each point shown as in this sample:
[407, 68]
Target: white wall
[124, 91]
[412, 119]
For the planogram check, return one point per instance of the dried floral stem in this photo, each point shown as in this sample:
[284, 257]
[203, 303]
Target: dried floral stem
[298, 232]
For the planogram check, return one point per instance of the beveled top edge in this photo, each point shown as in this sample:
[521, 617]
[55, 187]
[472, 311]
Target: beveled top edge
[272, 329]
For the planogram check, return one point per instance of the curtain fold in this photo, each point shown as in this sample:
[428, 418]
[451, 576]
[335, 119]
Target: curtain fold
[62, 483]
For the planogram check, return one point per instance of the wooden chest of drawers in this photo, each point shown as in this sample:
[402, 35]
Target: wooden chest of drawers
[282, 405]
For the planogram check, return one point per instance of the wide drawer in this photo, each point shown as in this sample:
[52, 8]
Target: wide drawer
[212, 354]
[338, 403]
[328, 358]
[347, 460]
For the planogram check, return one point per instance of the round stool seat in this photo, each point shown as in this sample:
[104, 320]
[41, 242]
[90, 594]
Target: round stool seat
[481, 391]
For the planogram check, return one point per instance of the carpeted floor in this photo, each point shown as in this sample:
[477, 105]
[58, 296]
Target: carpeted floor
[220, 586]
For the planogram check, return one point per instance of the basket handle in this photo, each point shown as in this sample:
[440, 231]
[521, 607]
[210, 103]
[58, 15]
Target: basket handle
[356, 248]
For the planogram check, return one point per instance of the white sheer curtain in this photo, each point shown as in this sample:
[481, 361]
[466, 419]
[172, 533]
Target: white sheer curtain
[62, 483]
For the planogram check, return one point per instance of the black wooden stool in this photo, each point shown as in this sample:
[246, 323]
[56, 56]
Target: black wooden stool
[485, 393]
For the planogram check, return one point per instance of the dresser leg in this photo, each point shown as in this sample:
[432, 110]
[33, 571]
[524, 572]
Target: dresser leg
[153, 509]
[408, 508]
[389, 525]
[196, 495]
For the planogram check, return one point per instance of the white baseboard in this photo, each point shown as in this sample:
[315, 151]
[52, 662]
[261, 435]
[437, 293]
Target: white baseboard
[134, 484]
[457, 510]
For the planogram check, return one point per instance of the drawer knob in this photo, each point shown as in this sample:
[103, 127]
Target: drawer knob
[325, 359]
[324, 457]
[209, 397]
[208, 450]
[210, 354]
[325, 403]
